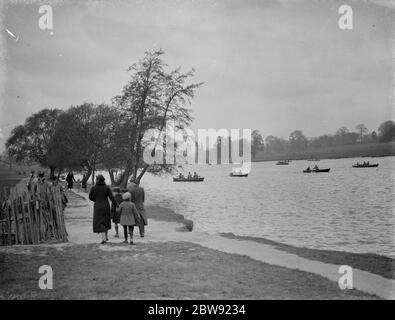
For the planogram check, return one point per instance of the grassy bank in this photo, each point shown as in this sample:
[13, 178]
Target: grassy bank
[335, 152]
[169, 270]
[377, 264]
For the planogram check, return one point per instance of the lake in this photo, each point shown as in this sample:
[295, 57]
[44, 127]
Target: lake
[347, 209]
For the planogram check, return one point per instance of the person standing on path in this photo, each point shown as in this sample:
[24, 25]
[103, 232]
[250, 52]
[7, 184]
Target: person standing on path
[100, 194]
[70, 179]
[115, 210]
[138, 197]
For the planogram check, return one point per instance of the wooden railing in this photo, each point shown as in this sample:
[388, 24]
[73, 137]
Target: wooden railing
[32, 217]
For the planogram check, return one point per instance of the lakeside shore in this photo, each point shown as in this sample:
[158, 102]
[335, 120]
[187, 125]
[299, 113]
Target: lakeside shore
[367, 150]
[167, 264]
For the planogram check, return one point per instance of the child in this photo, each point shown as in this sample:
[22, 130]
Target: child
[130, 217]
[116, 211]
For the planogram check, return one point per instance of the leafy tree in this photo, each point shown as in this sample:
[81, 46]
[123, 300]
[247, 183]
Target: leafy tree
[33, 140]
[148, 100]
[297, 140]
[387, 131]
[257, 142]
[373, 136]
[362, 131]
[82, 137]
[275, 145]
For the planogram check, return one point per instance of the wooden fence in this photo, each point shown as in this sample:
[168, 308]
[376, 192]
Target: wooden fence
[31, 217]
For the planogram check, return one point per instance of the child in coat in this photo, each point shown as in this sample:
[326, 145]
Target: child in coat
[130, 217]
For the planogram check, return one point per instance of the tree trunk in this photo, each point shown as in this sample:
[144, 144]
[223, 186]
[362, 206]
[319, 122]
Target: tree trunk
[111, 173]
[59, 173]
[93, 175]
[87, 175]
[125, 179]
[52, 173]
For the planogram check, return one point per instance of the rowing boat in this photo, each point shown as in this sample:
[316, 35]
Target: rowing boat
[316, 170]
[365, 165]
[188, 180]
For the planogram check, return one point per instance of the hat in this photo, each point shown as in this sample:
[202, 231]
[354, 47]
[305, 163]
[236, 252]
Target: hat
[100, 179]
[126, 196]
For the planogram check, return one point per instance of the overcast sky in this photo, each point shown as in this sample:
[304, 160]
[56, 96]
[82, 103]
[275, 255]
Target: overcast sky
[275, 66]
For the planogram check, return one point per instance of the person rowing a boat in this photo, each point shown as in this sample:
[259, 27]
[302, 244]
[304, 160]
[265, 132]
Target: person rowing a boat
[316, 167]
[195, 175]
[308, 168]
[189, 176]
[181, 176]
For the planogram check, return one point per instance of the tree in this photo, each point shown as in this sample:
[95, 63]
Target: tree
[274, 145]
[148, 100]
[82, 136]
[297, 140]
[362, 130]
[257, 142]
[373, 136]
[33, 140]
[387, 131]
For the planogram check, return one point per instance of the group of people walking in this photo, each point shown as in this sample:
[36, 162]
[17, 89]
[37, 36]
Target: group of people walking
[127, 208]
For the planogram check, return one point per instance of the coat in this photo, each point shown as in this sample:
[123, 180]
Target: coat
[129, 214]
[115, 211]
[70, 178]
[100, 194]
[138, 197]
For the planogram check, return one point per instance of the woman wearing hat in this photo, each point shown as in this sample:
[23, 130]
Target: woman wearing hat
[129, 216]
[99, 194]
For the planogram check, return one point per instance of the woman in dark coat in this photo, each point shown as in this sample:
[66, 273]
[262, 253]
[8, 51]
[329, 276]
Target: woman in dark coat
[100, 194]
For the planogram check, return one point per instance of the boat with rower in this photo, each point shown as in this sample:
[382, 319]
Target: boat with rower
[365, 165]
[199, 179]
[282, 162]
[316, 170]
[238, 174]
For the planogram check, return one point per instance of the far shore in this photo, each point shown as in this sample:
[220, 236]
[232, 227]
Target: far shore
[366, 150]
[279, 158]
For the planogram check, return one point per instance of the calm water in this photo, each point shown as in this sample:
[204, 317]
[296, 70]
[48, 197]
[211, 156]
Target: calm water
[347, 209]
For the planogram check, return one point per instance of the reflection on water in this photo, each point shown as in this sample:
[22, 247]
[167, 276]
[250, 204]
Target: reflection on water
[348, 209]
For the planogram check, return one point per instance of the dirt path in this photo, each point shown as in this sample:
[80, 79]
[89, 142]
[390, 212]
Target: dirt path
[79, 226]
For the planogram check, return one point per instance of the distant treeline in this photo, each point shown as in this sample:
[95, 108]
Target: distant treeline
[343, 143]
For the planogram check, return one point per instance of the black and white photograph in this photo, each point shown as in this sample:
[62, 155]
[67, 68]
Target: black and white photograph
[213, 152]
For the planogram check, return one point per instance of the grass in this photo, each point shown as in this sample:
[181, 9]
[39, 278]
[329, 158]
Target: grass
[374, 263]
[170, 270]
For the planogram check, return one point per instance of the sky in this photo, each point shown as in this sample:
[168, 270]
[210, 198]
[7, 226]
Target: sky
[274, 65]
